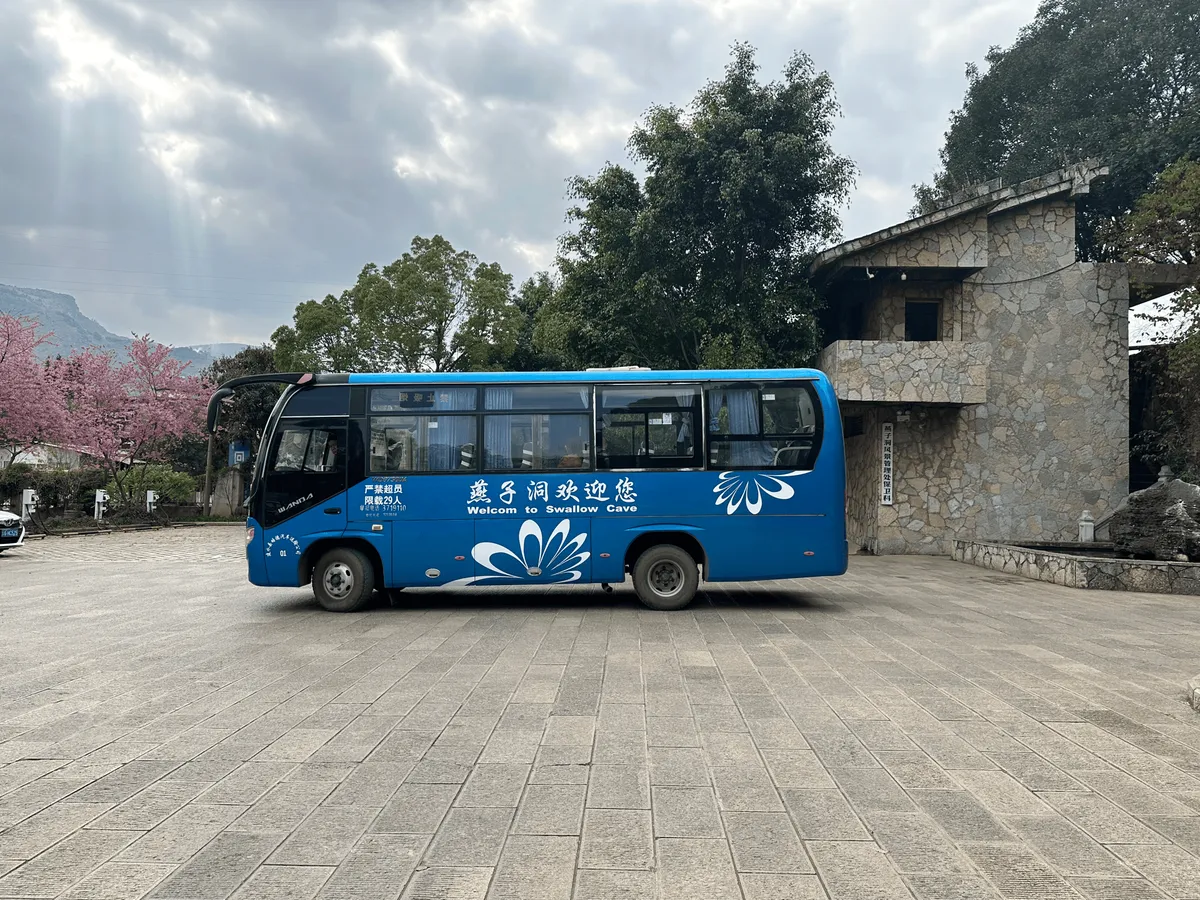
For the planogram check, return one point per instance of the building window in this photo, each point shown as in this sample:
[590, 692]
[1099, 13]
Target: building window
[922, 320]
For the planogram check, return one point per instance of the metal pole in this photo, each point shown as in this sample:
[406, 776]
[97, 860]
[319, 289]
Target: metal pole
[208, 475]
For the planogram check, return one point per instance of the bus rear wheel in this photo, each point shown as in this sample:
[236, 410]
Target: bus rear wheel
[343, 580]
[665, 577]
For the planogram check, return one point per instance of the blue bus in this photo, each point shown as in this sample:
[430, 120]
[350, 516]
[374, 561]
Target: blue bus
[391, 481]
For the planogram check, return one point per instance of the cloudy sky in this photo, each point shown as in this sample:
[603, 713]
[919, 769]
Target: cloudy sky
[194, 168]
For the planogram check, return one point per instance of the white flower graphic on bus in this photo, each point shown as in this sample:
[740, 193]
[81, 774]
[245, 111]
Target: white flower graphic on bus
[556, 558]
[737, 488]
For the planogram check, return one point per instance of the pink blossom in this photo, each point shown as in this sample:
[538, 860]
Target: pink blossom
[31, 404]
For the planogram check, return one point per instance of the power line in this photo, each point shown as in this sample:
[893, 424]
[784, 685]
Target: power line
[148, 290]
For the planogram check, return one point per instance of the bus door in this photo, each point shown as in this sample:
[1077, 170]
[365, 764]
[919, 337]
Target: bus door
[304, 492]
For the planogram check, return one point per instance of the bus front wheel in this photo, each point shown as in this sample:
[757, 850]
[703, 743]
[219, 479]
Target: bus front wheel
[343, 580]
[666, 577]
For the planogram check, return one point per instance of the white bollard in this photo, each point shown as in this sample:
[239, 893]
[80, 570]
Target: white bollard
[1087, 528]
[151, 501]
[100, 505]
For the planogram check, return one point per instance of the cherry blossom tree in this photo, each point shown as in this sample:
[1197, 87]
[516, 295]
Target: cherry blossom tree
[127, 414]
[31, 405]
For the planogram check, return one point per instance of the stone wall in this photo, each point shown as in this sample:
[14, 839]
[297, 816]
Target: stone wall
[1081, 571]
[863, 467]
[1053, 438]
[956, 243]
[1050, 438]
[930, 485]
[908, 371]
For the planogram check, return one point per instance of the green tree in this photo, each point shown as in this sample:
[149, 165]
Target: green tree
[436, 309]
[1117, 80]
[705, 263]
[1164, 227]
[531, 354]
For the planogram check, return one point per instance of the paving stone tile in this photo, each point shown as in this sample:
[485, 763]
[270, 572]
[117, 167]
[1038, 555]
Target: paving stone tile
[856, 869]
[1065, 847]
[823, 815]
[881, 735]
[961, 815]
[496, 784]
[745, 788]
[872, 789]
[916, 845]
[841, 750]
[439, 771]
[765, 842]
[775, 733]
[224, 863]
[46, 828]
[123, 783]
[1168, 867]
[470, 837]
[1017, 872]
[325, 837]
[1098, 817]
[1035, 773]
[951, 752]
[569, 731]
[796, 769]
[688, 868]
[915, 770]
[671, 731]
[442, 883]
[609, 884]
[617, 839]
[369, 784]
[181, 836]
[376, 868]
[1000, 793]
[119, 881]
[551, 809]
[535, 866]
[1131, 794]
[247, 783]
[63, 865]
[1116, 889]
[150, 806]
[677, 766]
[685, 812]
[274, 882]
[951, 887]
[757, 886]
[728, 749]
[619, 787]
[512, 745]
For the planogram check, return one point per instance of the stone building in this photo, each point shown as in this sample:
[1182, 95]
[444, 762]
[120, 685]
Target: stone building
[982, 370]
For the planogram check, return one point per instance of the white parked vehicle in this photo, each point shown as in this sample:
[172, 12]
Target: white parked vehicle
[12, 531]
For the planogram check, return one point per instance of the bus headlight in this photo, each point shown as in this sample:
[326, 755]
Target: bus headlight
[249, 536]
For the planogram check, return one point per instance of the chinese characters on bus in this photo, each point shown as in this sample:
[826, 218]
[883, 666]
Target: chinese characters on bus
[543, 497]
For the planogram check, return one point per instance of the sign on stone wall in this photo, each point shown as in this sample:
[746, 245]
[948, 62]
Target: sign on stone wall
[886, 484]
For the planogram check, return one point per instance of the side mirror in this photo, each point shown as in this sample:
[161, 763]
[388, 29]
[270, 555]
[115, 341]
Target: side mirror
[214, 407]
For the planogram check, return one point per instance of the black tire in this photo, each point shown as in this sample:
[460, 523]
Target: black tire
[666, 577]
[343, 580]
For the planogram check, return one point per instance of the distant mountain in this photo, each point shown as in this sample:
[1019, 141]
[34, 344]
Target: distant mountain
[59, 313]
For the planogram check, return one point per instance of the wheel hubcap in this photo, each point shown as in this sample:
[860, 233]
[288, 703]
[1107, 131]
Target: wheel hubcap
[339, 581]
[666, 578]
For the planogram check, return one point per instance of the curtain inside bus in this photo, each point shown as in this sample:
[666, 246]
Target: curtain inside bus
[454, 432]
[742, 407]
[497, 430]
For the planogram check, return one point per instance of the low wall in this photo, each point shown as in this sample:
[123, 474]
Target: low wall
[1095, 573]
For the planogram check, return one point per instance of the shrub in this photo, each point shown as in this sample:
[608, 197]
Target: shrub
[171, 486]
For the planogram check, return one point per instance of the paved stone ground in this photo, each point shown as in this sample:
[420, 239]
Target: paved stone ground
[918, 727]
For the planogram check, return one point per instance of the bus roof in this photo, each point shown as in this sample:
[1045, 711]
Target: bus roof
[594, 375]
